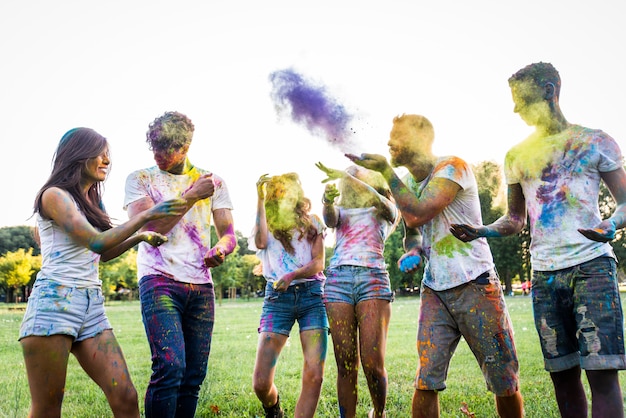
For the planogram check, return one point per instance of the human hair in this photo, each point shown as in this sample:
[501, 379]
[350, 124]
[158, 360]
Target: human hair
[284, 226]
[75, 148]
[540, 73]
[372, 178]
[170, 130]
[418, 123]
[376, 181]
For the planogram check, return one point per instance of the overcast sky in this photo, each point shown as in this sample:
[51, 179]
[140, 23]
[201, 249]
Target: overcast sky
[116, 65]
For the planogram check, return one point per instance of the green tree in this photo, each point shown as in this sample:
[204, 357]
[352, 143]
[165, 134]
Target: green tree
[228, 274]
[510, 254]
[17, 270]
[251, 282]
[242, 244]
[394, 249]
[119, 275]
[13, 238]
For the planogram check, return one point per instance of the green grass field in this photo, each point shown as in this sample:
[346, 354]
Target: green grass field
[227, 391]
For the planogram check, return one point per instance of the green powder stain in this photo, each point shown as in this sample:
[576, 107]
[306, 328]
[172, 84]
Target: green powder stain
[452, 247]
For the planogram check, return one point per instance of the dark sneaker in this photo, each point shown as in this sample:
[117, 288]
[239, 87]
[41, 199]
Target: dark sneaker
[274, 411]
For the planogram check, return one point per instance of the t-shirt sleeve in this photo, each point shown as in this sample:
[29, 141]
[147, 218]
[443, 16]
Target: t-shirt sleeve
[319, 225]
[134, 189]
[611, 157]
[221, 197]
[455, 169]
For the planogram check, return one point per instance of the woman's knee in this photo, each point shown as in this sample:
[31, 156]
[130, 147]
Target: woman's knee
[374, 369]
[313, 375]
[124, 402]
[261, 384]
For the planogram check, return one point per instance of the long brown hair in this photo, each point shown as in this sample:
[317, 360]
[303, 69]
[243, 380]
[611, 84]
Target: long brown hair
[299, 221]
[68, 165]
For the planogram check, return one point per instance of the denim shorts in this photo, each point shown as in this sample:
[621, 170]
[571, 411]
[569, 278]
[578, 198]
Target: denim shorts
[300, 302]
[54, 309]
[477, 312]
[353, 284]
[578, 315]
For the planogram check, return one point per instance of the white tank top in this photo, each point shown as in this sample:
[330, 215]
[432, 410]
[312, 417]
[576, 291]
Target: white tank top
[65, 261]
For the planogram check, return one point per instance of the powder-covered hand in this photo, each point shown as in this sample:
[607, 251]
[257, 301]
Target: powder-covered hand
[409, 262]
[153, 238]
[604, 232]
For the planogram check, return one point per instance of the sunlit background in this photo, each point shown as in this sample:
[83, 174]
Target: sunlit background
[116, 65]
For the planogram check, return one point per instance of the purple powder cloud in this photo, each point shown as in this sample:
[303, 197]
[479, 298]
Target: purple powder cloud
[310, 105]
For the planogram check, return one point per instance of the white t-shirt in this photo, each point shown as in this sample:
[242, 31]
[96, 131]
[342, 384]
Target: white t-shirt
[277, 261]
[451, 262]
[560, 178]
[181, 258]
[360, 238]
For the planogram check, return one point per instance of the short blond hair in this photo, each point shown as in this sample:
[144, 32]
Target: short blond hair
[419, 123]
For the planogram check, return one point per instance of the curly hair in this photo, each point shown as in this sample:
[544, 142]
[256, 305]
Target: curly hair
[75, 148]
[539, 73]
[172, 129]
[298, 221]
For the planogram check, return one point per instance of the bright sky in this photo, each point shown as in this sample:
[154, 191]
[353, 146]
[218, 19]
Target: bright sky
[116, 65]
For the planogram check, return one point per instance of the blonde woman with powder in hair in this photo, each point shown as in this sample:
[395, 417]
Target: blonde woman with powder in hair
[290, 244]
[357, 293]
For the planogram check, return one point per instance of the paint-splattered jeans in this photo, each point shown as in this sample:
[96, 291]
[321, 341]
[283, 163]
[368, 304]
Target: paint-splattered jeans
[178, 318]
[578, 315]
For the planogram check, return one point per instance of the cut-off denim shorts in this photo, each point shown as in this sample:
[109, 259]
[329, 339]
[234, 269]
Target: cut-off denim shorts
[54, 309]
[578, 316]
[300, 302]
[353, 284]
[477, 312]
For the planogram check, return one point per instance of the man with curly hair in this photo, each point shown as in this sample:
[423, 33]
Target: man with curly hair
[175, 285]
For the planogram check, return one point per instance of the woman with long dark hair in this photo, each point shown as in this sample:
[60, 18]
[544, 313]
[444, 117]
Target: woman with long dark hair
[65, 311]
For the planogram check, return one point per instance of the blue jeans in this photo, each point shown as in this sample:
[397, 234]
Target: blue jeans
[578, 315]
[57, 309]
[300, 302]
[354, 284]
[178, 318]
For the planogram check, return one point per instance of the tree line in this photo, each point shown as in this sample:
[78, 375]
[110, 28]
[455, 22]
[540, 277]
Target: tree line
[20, 258]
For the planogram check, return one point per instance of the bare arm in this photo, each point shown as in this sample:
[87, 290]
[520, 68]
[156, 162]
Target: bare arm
[153, 238]
[260, 237]
[201, 189]
[412, 244]
[605, 231]
[312, 267]
[416, 212]
[329, 211]
[512, 222]
[386, 207]
[223, 221]
[60, 207]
